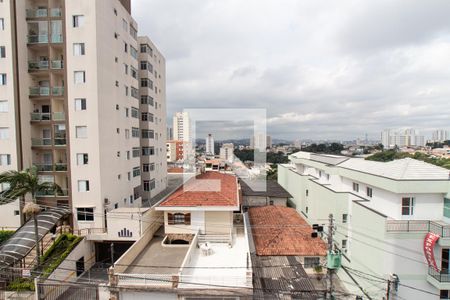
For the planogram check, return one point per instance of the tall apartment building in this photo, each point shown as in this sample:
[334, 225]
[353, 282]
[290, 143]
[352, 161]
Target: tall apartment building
[209, 149]
[440, 135]
[10, 147]
[73, 90]
[227, 152]
[386, 215]
[260, 141]
[181, 127]
[153, 124]
[405, 138]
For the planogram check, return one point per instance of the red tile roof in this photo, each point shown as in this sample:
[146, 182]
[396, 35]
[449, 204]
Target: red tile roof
[175, 170]
[211, 189]
[282, 231]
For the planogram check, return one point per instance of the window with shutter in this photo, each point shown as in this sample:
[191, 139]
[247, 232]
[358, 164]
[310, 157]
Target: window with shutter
[187, 219]
[170, 220]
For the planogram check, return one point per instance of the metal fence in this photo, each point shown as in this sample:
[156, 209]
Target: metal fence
[417, 226]
[66, 292]
[442, 276]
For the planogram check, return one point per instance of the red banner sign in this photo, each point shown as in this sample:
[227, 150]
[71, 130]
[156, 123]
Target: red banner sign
[428, 249]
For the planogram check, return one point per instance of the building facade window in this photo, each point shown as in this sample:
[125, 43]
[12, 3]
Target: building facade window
[5, 159]
[145, 168]
[369, 192]
[2, 79]
[407, 206]
[4, 133]
[148, 134]
[85, 214]
[82, 159]
[79, 77]
[344, 218]
[135, 132]
[80, 104]
[78, 49]
[133, 52]
[355, 187]
[2, 24]
[2, 52]
[136, 171]
[145, 99]
[179, 219]
[81, 132]
[147, 151]
[136, 152]
[4, 106]
[77, 21]
[146, 185]
[135, 112]
[446, 207]
[344, 244]
[83, 185]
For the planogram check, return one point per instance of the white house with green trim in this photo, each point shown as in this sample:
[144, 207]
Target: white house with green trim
[383, 212]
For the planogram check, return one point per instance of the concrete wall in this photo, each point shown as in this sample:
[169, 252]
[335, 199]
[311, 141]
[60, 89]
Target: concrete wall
[263, 201]
[218, 222]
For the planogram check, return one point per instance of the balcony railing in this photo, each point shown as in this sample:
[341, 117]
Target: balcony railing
[418, 226]
[48, 142]
[38, 39]
[37, 13]
[38, 65]
[442, 276]
[58, 91]
[56, 38]
[39, 91]
[61, 193]
[57, 64]
[58, 167]
[56, 116]
[55, 12]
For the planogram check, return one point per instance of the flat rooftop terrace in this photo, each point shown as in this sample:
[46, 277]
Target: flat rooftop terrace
[156, 259]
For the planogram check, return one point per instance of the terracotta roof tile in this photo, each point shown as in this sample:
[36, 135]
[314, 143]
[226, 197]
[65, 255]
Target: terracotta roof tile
[220, 190]
[282, 231]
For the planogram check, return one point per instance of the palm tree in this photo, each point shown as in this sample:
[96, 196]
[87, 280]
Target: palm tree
[21, 183]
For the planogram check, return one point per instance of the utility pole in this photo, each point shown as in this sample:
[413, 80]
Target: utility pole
[330, 250]
[388, 290]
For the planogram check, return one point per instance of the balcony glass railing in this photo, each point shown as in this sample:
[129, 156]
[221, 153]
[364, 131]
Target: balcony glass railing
[39, 91]
[41, 116]
[59, 116]
[38, 39]
[38, 65]
[61, 193]
[60, 141]
[55, 12]
[37, 13]
[58, 91]
[41, 142]
[57, 64]
[57, 38]
[60, 167]
[44, 167]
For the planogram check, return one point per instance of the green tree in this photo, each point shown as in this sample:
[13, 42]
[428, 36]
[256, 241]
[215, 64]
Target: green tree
[20, 184]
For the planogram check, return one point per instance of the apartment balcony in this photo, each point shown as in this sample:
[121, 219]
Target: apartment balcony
[44, 13]
[61, 193]
[58, 91]
[42, 117]
[37, 13]
[45, 64]
[38, 39]
[56, 38]
[48, 142]
[57, 64]
[39, 91]
[440, 280]
[418, 226]
[58, 167]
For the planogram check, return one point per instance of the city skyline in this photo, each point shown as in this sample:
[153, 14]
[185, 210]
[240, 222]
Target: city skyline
[350, 72]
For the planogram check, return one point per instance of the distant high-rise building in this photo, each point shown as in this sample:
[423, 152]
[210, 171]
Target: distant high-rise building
[440, 135]
[209, 149]
[181, 127]
[260, 141]
[405, 138]
[169, 135]
[227, 152]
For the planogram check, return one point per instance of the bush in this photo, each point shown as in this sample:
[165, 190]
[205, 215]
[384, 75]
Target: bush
[318, 269]
[21, 284]
[5, 234]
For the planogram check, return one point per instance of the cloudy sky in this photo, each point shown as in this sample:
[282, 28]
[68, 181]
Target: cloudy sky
[322, 69]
